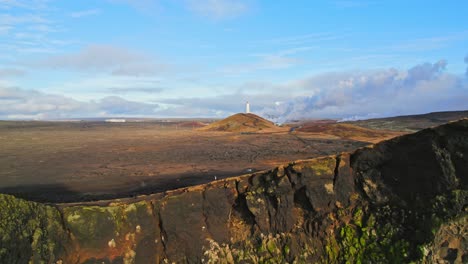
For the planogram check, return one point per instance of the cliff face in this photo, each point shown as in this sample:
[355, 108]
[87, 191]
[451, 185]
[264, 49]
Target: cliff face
[398, 201]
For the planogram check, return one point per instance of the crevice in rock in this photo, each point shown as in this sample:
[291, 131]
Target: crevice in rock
[302, 201]
[287, 172]
[63, 223]
[241, 207]
[162, 231]
[205, 218]
[336, 170]
[272, 199]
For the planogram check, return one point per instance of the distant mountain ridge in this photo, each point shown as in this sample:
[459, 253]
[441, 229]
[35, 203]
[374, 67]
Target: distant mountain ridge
[411, 123]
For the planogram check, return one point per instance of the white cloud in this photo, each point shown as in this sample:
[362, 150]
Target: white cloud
[355, 94]
[219, 9]
[364, 94]
[423, 88]
[85, 13]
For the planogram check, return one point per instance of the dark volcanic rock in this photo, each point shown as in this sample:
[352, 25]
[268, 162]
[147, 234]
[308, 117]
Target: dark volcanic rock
[398, 201]
[415, 167]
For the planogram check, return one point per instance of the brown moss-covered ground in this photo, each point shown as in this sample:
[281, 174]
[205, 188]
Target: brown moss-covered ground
[346, 131]
[59, 161]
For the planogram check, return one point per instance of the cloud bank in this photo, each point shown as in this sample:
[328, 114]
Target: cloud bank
[420, 89]
[343, 95]
[16, 103]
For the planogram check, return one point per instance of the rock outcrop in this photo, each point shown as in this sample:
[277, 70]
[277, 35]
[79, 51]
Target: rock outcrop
[398, 201]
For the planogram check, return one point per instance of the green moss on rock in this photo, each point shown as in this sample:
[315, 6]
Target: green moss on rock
[29, 232]
[92, 227]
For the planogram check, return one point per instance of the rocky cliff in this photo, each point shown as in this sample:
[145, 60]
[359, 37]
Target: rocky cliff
[399, 201]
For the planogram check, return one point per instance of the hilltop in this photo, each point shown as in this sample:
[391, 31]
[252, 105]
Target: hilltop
[241, 123]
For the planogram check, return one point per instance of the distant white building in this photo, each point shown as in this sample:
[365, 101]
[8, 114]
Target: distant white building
[247, 107]
[115, 120]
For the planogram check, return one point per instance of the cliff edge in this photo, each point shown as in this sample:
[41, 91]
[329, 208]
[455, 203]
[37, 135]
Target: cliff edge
[399, 201]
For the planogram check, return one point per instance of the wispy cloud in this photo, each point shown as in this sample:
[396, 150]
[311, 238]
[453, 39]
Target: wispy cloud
[5, 29]
[219, 9]
[466, 61]
[13, 20]
[268, 62]
[282, 59]
[352, 3]
[11, 72]
[428, 43]
[301, 40]
[24, 4]
[90, 86]
[128, 90]
[213, 9]
[85, 13]
[140, 5]
[106, 58]
[28, 26]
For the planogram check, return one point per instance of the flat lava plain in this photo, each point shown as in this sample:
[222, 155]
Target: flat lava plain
[93, 160]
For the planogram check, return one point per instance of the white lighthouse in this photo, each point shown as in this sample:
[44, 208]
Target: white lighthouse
[247, 107]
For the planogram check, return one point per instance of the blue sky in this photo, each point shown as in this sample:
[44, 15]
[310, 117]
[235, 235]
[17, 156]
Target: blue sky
[205, 58]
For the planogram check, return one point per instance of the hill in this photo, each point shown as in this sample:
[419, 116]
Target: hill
[347, 131]
[241, 123]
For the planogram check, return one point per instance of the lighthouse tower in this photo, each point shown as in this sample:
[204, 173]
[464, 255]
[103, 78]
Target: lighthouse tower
[247, 107]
